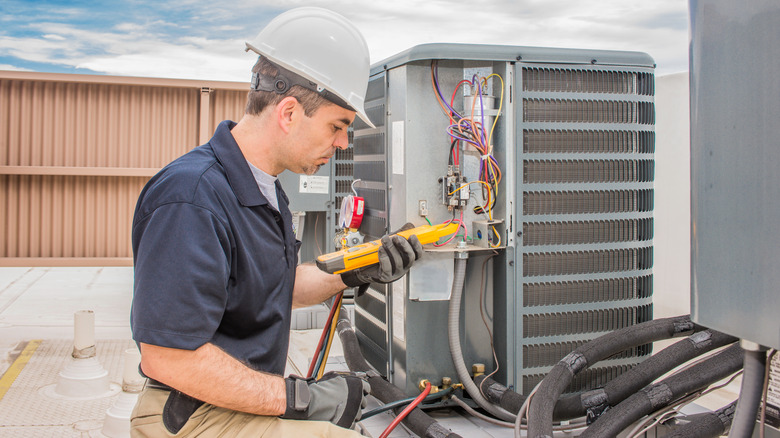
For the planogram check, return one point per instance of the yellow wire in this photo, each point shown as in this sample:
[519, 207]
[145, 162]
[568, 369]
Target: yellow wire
[469, 183]
[330, 337]
[500, 106]
[495, 233]
[490, 192]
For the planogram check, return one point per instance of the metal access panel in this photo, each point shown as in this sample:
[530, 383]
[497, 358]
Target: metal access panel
[575, 143]
[735, 157]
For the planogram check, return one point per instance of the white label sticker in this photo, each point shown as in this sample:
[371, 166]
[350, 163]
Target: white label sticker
[398, 147]
[314, 184]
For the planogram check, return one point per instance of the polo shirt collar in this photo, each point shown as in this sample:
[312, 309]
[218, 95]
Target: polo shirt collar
[236, 168]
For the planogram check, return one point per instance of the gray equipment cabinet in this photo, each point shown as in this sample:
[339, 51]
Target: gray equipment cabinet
[575, 143]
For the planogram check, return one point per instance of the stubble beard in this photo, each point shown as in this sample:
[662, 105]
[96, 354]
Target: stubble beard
[311, 170]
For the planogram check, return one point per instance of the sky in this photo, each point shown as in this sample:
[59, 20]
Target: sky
[197, 39]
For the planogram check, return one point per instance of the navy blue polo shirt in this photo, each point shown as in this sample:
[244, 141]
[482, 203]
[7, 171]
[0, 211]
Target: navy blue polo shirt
[214, 262]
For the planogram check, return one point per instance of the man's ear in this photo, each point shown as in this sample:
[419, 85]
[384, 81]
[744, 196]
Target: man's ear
[285, 112]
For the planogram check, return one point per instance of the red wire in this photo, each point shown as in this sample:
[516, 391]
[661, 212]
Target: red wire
[322, 337]
[407, 410]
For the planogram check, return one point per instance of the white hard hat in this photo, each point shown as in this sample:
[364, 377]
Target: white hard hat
[322, 47]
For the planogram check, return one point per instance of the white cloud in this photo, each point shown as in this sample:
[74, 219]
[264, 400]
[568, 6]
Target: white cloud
[9, 67]
[163, 48]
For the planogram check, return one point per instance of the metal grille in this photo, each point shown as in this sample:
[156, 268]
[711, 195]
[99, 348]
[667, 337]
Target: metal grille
[607, 201]
[373, 227]
[587, 291]
[586, 81]
[580, 141]
[587, 321]
[588, 111]
[542, 355]
[561, 171]
[344, 169]
[585, 262]
[569, 233]
[586, 379]
[373, 144]
[376, 114]
[370, 171]
[375, 198]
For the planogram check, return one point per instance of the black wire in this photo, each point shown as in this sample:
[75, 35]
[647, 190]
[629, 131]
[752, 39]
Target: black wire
[452, 149]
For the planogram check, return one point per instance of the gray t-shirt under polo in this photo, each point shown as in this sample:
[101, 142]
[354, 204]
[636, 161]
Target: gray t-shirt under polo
[266, 184]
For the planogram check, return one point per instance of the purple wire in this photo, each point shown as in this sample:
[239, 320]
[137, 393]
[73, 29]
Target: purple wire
[475, 84]
[435, 65]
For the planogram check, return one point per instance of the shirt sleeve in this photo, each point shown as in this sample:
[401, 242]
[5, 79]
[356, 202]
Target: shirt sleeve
[182, 270]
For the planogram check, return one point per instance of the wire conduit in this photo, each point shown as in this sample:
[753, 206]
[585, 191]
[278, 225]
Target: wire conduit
[750, 392]
[540, 415]
[667, 391]
[453, 330]
[417, 421]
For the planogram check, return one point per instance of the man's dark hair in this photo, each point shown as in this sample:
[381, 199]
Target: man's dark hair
[257, 100]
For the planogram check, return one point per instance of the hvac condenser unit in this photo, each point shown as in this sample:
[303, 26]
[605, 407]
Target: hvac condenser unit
[563, 251]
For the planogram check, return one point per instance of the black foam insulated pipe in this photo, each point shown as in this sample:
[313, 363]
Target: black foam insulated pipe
[666, 392]
[707, 425]
[750, 392]
[628, 383]
[417, 421]
[618, 389]
[540, 417]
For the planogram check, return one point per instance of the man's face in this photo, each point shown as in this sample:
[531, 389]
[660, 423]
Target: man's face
[314, 139]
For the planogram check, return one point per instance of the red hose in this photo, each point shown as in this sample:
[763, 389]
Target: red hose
[409, 408]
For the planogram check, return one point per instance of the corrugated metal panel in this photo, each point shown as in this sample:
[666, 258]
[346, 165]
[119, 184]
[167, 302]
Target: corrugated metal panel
[65, 216]
[76, 150]
[226, 105]
[96, 125]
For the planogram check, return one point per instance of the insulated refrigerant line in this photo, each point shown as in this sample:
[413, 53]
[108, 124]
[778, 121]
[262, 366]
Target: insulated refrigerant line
[552, 386]
[453, 329]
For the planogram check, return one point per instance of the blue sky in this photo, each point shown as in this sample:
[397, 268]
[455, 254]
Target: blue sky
[197, 39]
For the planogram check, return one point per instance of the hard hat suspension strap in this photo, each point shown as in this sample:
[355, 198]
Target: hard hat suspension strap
[285, 79]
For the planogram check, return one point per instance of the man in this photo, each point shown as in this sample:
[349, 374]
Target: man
[216, 271]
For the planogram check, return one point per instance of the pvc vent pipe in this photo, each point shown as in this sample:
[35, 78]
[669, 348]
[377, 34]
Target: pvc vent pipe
[83, 376]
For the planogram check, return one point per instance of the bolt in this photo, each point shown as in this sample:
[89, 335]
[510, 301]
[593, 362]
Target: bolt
[511, 263]
[478, 369]
[446, 382]
[519, 233]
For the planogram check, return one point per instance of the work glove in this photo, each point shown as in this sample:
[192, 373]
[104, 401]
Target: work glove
[336, 397]
[396, 256]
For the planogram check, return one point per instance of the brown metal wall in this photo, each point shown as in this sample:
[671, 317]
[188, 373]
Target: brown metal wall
[75, 152]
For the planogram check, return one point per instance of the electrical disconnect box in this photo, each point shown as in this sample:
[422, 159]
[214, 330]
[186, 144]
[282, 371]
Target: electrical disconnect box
[735, 159]
[545, 157]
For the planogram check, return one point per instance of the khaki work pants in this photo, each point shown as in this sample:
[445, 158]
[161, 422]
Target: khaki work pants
[211, 421]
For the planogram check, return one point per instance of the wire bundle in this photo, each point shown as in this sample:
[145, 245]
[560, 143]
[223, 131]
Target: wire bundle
[473, 132]
[320, 358]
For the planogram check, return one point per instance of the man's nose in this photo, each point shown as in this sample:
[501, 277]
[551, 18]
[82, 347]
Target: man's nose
[342, 140]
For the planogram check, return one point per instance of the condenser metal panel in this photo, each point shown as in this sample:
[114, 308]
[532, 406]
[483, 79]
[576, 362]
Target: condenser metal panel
[576, 148]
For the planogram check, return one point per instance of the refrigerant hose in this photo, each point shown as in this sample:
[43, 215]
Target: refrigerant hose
[616, 390]
[558, 379]
[750, 393]
[453, 330]
[662, 394]
[417, 421]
